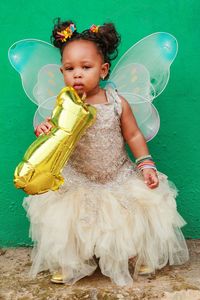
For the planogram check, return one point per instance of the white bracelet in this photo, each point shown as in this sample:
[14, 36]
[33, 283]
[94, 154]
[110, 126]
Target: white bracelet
[147, 167]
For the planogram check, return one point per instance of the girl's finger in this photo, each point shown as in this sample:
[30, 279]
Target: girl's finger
[48, 125]
[154, 181]
[38, 131]
[147, 179]
[43, 128]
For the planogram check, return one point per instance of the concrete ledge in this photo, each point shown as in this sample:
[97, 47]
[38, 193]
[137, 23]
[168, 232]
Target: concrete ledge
[170, 283]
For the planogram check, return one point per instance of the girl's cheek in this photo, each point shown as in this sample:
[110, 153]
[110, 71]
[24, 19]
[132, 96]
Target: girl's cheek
[66, 79]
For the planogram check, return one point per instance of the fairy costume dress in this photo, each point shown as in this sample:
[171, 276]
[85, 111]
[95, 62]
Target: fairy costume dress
[105, 209]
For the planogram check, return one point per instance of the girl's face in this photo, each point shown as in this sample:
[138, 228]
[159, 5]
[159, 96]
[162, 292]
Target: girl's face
[83, 67]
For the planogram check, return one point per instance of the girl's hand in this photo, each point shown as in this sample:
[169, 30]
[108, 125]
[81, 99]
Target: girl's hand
[44, 127]
[150, 178]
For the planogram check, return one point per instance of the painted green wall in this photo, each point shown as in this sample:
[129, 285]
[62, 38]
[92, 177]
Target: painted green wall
[176, 146]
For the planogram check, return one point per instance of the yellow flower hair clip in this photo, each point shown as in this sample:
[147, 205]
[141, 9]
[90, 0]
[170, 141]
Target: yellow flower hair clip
[94, 28]
[66, 33]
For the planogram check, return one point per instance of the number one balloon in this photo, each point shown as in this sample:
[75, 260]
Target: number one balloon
[40, 169]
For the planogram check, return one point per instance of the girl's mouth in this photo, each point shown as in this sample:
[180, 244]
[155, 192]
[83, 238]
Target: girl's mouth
[78, 86]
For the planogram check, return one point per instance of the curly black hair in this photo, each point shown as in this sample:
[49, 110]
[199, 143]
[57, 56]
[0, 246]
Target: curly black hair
[106, 39]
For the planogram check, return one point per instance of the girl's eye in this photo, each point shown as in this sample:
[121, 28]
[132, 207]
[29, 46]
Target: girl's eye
[86, 67]
[68, 68]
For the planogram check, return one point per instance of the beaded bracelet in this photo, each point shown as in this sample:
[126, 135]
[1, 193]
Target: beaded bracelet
[141, 158]
[147, 166]
[145, 162]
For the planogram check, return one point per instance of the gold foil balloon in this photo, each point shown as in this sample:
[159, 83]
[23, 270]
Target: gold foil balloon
[40, 169]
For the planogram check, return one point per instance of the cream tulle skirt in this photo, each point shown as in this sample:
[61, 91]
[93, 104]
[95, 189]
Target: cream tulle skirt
[114, 223]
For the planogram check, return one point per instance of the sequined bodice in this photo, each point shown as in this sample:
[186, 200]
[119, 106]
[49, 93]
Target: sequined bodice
[101, 151]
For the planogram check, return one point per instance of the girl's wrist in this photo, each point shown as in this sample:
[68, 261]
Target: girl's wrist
[143, 158]
[145, 162]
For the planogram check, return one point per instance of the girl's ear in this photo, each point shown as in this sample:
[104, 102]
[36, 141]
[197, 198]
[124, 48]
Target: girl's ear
[61, 70]
[104, 70]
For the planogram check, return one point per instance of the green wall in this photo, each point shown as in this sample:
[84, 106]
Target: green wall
[176, 146]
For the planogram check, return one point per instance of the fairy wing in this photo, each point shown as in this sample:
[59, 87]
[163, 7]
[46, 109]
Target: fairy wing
[38, 64]
[146, 114]
[44, 110]
[142, 74]
[49, 84]
[155, 53]
[133, 78]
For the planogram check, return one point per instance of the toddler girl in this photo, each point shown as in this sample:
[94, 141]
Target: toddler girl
[108, 207]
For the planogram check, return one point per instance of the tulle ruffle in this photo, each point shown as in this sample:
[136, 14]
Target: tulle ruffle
[113, 224]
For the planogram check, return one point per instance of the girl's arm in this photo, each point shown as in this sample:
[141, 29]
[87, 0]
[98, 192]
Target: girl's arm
[136, 141]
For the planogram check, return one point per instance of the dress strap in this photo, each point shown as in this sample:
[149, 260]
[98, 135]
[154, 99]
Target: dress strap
[114, 98]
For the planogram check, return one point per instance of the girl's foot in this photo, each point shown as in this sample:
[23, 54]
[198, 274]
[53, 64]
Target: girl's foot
[57, 278]
[145, 270]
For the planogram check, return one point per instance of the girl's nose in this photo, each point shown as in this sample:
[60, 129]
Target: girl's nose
[77, 74]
